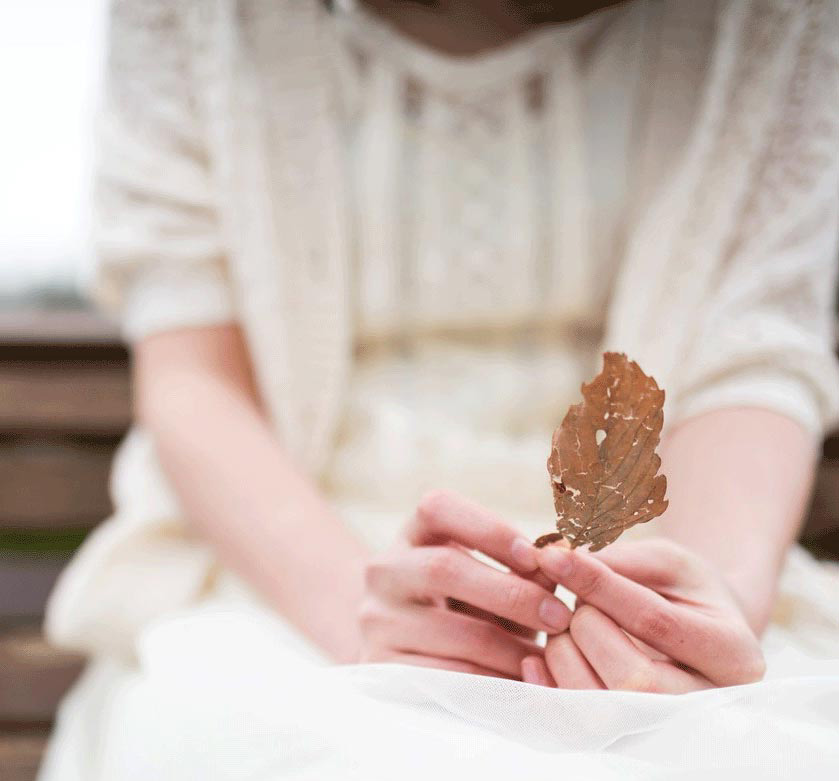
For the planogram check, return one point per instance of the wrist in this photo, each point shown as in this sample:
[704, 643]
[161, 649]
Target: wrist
[345, 605]
[326, 609]
[754, 594]
[750, 583]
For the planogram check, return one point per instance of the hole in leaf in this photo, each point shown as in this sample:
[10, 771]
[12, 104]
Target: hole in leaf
[599, 436]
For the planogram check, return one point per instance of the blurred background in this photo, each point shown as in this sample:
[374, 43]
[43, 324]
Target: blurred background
[64, 383]
[64, 391]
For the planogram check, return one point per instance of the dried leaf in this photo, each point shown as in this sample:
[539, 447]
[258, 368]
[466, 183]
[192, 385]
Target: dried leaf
[603, 465]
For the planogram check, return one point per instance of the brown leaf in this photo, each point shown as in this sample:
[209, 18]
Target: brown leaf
[603, 465]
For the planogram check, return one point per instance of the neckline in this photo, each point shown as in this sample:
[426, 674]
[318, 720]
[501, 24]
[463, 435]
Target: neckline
[511, 60]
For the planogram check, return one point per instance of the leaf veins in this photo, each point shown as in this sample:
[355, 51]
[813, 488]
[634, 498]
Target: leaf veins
[603, 465]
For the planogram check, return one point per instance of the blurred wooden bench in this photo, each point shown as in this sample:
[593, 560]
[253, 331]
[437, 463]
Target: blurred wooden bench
[64, 406]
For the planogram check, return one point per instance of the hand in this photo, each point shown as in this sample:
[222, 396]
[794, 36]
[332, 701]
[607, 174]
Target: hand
[685, 629]
[405, 616]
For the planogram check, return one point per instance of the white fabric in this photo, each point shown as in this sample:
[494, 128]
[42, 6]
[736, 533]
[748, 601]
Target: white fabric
[453, 382]
[225, 690]
[451, 415]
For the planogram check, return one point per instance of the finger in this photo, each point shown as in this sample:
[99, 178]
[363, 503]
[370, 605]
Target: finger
[453, 665]
[657, 563]
[537, 576]
[665, 566]
[646, 648]
[440, 632]
[620, 664]
[595, 583]
[568, 666]
[639, 610]
[443, 515]
[534, 670]
[714, 648]
[417, 573]
[540, 579]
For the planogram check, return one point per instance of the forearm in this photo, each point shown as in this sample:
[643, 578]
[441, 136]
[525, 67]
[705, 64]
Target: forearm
[265, 518]
[738, 483]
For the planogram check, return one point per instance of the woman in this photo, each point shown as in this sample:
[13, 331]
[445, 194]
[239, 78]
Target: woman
[365, 256]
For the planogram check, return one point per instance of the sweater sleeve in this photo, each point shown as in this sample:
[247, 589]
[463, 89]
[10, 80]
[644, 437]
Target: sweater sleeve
[726, 293]
[160, 255]
[765, 335]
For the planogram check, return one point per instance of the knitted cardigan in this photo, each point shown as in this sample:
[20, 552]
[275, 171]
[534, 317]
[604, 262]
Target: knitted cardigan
[220, 186]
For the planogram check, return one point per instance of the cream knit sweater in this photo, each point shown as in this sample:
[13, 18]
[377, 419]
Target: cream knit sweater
[222, 197]
[221, 191]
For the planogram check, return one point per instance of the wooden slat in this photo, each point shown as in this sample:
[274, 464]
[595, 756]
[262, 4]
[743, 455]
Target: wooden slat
[824, 510]
[34, 676]
[73, 396]
[831, 447]
[56, 327]
[20, 755]
[25, 583]
[54, 484]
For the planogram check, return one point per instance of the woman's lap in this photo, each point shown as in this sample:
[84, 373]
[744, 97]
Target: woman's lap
[227, 690]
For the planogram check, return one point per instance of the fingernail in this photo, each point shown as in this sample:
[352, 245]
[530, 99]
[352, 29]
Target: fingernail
[557, 561]
[524, 554]
[554, 613]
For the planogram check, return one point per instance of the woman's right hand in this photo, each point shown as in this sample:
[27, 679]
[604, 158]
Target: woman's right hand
[405, 617]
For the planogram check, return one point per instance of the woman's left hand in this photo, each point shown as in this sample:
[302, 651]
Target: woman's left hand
[651, 616]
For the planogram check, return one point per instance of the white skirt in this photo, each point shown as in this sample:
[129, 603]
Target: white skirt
[193, 676]
[225, 689]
